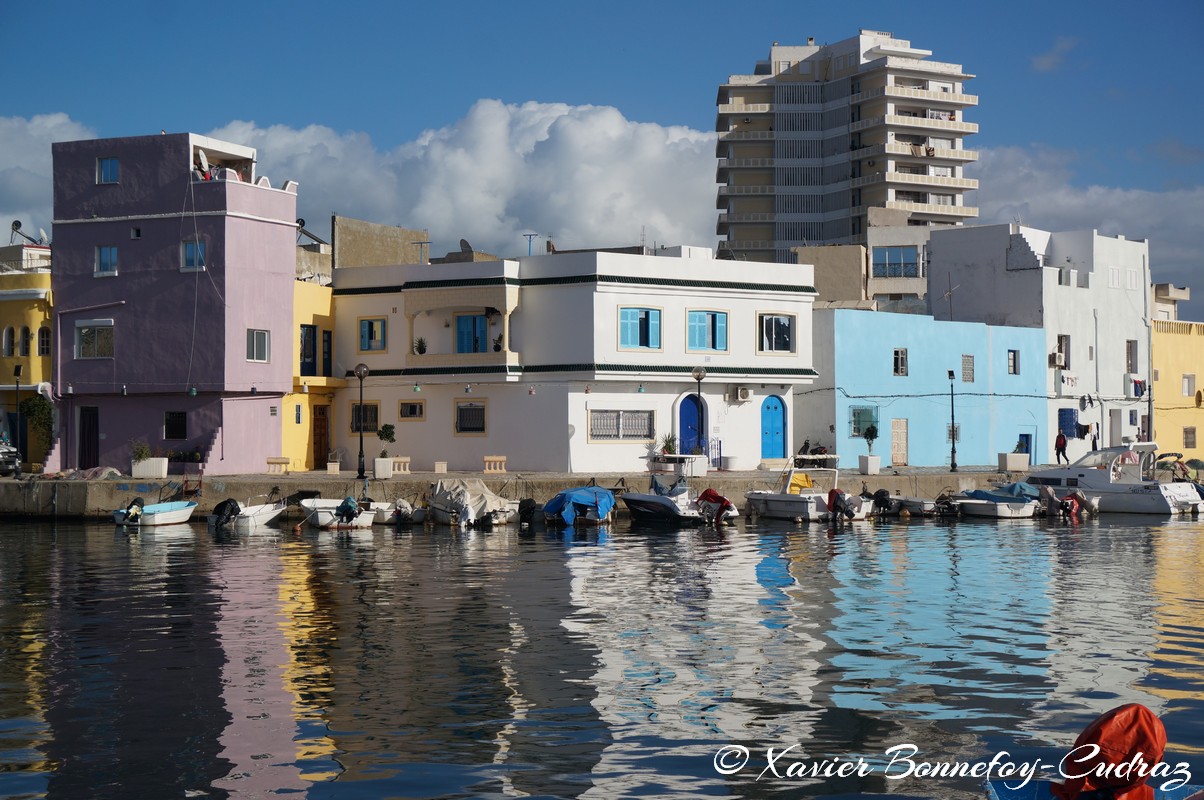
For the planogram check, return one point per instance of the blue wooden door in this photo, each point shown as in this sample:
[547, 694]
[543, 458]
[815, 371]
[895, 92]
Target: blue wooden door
[773, 428]
[688, 416]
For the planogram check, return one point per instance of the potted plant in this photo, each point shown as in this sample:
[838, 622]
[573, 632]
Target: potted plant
[143, 464]
[383, 466]
[668, 444]
[869, 464]
[419, 346]
[497, 344]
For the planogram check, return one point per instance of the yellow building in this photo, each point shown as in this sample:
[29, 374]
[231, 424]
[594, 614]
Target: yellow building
[1178, 353]
[307, 413]
[26, 328]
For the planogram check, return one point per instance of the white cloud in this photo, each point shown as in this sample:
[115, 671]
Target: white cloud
[26, 186]
[1051, 60]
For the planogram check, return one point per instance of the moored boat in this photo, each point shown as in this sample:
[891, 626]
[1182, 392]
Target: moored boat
[1123, 479]
[797, 497]
[230, 514]
[469, 503]
[582, 506]
[1013, 501]
[345, 514]
[673, 504]
[143, 516]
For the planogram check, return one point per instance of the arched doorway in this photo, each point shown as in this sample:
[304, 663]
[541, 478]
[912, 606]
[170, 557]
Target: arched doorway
[773, 427]
[691, 433]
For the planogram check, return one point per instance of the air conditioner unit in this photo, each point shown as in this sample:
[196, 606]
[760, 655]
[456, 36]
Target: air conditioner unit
[1057, 360]
[743, 394]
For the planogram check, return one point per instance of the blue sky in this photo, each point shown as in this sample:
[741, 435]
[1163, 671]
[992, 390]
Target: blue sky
[594, 121]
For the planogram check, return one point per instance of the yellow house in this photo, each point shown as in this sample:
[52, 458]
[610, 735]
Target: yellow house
[26, 341]
[1178, 353]
[307, 413]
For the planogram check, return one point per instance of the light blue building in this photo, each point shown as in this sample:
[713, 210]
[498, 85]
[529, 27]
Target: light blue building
[893, 371]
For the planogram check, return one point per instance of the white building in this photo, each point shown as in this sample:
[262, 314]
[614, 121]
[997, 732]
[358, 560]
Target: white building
[576, 362]
[1091, 295]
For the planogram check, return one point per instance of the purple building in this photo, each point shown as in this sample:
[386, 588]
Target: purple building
[173, 284]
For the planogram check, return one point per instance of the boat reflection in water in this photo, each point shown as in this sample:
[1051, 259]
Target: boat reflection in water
[614, 662]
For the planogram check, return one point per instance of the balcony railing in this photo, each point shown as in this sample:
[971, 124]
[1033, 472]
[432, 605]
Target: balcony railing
[743, 108]
[933, 209]
[921, 123]
[916, 180]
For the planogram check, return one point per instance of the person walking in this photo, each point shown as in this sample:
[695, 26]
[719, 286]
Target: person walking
[1060, 448]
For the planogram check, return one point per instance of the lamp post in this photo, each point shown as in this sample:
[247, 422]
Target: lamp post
[361, 372]
[952, 428]
[698, 373]
[17, 402]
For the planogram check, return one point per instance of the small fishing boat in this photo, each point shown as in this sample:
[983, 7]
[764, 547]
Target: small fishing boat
[345, 514]
[674, 504]
[1014, 501]
[229, 514]
[469, 503]
[797, 498]
[137, 513]
[583, 506]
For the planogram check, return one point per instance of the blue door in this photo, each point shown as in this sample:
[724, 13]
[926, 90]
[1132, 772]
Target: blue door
[688, 417]
[773, 428]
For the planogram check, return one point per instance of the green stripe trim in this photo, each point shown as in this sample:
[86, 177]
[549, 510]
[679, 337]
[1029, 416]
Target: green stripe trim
[593, 369]
[619, 280]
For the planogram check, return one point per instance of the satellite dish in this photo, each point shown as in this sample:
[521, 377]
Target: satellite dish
[16, 225]
[42, 237]
[465, 247]
[300, 222]
[202, 160]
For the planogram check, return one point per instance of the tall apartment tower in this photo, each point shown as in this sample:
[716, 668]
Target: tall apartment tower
[819, 135]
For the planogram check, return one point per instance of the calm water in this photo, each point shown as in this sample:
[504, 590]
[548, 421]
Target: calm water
[610, 664]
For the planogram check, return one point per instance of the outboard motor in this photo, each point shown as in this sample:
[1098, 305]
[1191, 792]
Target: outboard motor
[347, 511]
[225, 512]
[133, 512]
[882, 500]
[838, 505]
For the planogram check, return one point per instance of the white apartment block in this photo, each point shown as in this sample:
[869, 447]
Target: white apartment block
[574, 362]
[1090, 293]
[818, 134]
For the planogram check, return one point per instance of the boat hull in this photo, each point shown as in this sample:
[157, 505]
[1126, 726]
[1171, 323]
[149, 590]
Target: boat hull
[251, 517]
[998, 509]
[323, 514]
[800, 507]
[158, 514]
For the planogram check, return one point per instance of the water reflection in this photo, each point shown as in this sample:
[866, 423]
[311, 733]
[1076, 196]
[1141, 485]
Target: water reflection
[577, 664]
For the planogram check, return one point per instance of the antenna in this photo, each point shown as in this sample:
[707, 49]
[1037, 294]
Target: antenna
[16, 226]
[530, 237]
[301, 231]
[949, 294]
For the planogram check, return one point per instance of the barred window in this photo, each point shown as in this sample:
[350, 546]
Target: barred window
[967, 369]
[470, 416]
[621, 425]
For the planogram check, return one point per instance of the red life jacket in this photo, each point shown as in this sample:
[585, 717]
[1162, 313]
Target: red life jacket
[1121, 734]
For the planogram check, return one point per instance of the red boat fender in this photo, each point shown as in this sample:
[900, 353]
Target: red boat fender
[1115, 739]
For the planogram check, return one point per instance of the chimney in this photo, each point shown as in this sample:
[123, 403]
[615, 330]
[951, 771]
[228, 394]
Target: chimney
[810, 41]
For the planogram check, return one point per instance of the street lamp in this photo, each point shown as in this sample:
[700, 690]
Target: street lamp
[952, 428]
[698, 373]
[17, 401]
[361, 372]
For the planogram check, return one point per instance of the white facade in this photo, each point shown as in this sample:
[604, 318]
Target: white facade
[1091, 295]
[555, 360]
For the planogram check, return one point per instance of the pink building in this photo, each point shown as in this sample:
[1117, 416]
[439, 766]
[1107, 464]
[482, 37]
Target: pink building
[173, 281]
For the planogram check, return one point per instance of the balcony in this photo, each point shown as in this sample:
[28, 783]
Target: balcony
[737, 109]
[940, 181]
[901, 92]
[745, 190]
[726, 220]
[915, 123]
[932, 209]
[928, 151]
[460, 361]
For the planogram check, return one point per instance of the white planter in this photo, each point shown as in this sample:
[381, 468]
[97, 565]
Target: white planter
[333, 467]
[149, 468]
[1013, 462]
[382, 468]
[869, 465]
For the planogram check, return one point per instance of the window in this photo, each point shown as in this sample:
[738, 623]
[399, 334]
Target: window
[900, 360]
[297, 414]
[10, 338]
[707, 330]
[472, 333]
[106, 261]
[369, 413]
[617, 425]
[107, 170]
[327, 353]
[1064, 350]
[860, 418]
[1132, 276]
[1068, 422]
[897, 262]
[967, 369]
[470, 416]
[26, 339]
[1189, 385]
[1113, 277]
[776, 333]
[259, 345]
[412, 409]
[43, 341]
[175, 425]
[640, 327]
[1013, 362]
[94, 339]
[1131, 356]
[192, 256]
[309, 350]
[372, 335]
[1189, 438]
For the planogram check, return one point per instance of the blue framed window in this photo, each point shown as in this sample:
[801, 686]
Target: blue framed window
[640, 327]
[108, 170]
[309, 349]
[1068, 422]
[897, 262]
[106, 260]
[776, 333]
[373, 335]
[472, 333]
[192, 255]
[707, 330]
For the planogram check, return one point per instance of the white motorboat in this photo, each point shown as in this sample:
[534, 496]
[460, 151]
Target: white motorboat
[1123, 479]
[229, 514]
[676, 505]
[798, 498]
[469, 503]
[346, 514]
[143, 516]
[1017, 508]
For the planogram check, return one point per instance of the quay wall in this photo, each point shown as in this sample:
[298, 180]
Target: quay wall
[35, 496]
